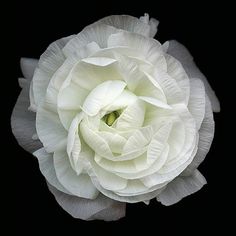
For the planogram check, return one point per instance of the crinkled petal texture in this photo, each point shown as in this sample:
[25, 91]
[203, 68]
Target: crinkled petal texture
[119, 116]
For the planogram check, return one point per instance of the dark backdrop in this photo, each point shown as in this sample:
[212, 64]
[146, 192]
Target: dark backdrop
[200, 28]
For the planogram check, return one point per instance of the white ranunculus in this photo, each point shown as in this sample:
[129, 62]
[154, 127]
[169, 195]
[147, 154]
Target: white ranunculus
[120, 118]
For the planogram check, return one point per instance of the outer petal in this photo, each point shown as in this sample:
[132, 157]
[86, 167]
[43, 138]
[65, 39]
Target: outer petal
[47, 168]
[75, 48]
[98, 33]
[28, 66]
[132, 24]
[49, 129]
[114, 212]
[178, 51]
[196, 103]
[149, 49]
[206, 135]
[79, 185]
[181, 187]
[153, 23]
[177, 72]
[23, 122]
[107, 179]
[49, 62]
[142, 192]
[139, 81]
[170, 87]
[101, 208]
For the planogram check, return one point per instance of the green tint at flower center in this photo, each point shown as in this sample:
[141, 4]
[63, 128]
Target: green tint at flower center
[110, 118]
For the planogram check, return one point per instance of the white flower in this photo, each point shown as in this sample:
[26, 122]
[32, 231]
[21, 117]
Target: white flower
[120, 118]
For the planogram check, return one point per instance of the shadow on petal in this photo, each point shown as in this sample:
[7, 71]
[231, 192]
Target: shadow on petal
[101, 208]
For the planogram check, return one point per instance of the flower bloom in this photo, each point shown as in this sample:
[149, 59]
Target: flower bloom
[115, 117]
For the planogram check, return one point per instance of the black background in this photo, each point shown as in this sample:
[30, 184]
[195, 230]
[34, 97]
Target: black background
[201, 29]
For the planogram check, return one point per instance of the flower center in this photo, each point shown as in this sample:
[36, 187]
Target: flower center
[110, 118]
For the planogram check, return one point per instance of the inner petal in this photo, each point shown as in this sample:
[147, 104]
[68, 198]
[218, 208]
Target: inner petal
[102, 95]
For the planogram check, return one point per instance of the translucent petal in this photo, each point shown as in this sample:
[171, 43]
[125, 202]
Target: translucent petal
[23, 82]
[196, 103]
[131, 24]
[80, 51]
[53, 57]
[177, 72]
[102, 95]
[97, 32]
[153, 23]
[48, 64]
[165, 46]
[55, 84]
[176, 139]
[28, 66]
[115, 212]
[87, 209]
[178, 51]
[79, 185]
[60, 76]
[49, 129]
[33, 106]
[170, 87]
[47, 168]
[23, 122]
[181, 187]
[148, 49]
[206, 135]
